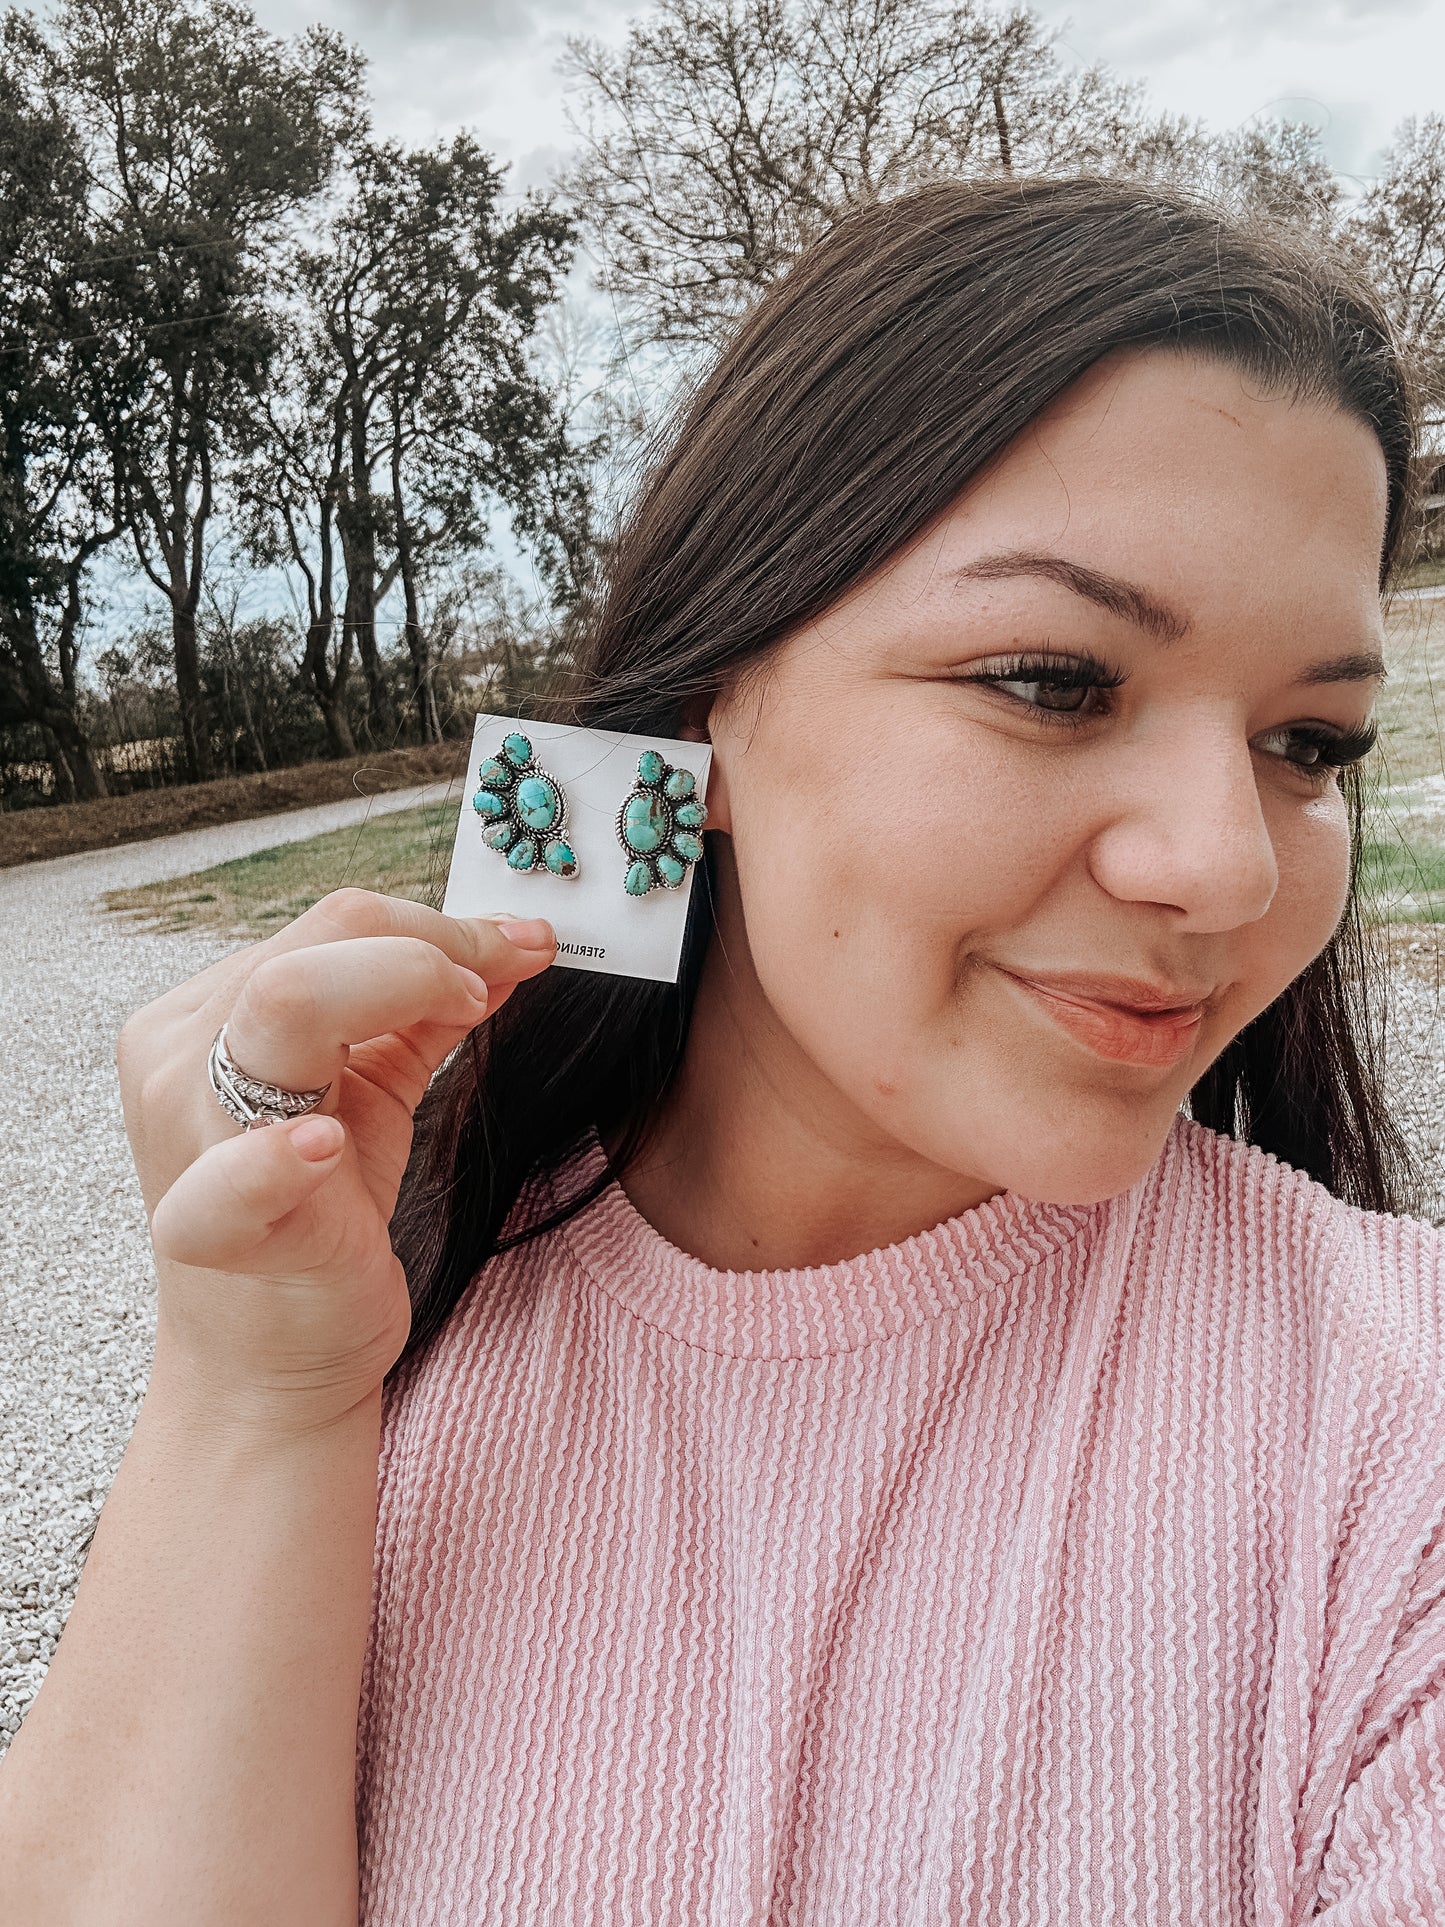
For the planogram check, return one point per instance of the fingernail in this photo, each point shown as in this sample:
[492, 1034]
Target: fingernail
[317, 1138]
[530, 933]
[476, 985]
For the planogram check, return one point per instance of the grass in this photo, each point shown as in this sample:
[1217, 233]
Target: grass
[403, 854]
[1404, 857]
[1403, 882]
[1425, 575]
[407, 852]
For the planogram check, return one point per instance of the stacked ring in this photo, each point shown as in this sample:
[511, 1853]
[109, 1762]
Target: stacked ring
[249, 1100]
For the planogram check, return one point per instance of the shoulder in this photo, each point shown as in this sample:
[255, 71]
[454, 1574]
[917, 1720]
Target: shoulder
[1368, 1286]
[1266, 1207]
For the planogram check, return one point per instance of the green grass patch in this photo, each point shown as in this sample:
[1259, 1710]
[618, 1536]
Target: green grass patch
[1403, 882]
[402, 854]
[1411, 706]
[1403, 866]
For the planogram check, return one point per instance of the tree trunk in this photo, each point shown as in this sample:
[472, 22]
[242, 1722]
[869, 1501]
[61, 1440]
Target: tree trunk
[77, 774]
[1000, 121]
[356, 525]
[89, 781]
[64, 781]
[339, 739]
[328, 688]
[195, 716]
[86, 775]
[360, 628]
[327, 685]
[417, 643]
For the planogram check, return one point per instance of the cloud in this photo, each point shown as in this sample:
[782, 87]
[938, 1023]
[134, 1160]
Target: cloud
[399, 23]
[1120, 30]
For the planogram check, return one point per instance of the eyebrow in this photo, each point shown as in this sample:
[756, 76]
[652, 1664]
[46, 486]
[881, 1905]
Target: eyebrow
[1109, 592]
[1145, 611]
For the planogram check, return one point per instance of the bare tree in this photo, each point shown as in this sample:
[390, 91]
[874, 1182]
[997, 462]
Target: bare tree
[727, 133]
[1400, 226]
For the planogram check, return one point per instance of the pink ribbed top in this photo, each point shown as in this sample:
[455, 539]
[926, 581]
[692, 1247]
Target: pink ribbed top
[1066, 1565]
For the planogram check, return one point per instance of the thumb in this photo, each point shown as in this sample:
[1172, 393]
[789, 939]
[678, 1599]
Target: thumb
[226, 1204]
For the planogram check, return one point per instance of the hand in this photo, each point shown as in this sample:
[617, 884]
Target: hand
[280, 1296]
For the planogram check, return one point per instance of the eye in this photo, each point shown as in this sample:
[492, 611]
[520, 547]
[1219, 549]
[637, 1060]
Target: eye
[1055, 687]
[1317, 751]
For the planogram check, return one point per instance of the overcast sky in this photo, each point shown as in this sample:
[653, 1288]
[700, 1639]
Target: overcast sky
[1353, 68]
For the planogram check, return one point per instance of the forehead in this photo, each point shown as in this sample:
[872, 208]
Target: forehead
[1180, 465]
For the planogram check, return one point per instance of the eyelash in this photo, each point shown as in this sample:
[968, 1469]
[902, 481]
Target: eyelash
[1335, 749]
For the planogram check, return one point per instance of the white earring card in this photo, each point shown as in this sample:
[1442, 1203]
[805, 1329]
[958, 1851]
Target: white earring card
[599, 925]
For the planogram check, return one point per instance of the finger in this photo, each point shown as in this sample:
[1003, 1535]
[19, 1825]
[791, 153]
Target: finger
[226, 1205]
[401, 1064]
[297, 1012]
[500, 949]
[482, 944]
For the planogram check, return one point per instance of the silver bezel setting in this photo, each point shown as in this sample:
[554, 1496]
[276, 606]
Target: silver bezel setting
[558, 831]
[658, 790]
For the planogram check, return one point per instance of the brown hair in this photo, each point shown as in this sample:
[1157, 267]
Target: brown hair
[855, 402]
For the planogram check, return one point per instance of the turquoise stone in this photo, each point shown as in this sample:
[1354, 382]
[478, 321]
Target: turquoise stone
[688, 846]
[645, 824]
[638, 880]
[500, 837]
[517, 749]
[522, 855]
[681, 783]
[494, 775]
[538, 803]
[559, 858]
[670, 870]
[651, 768]
[689, 816]
[485, 803]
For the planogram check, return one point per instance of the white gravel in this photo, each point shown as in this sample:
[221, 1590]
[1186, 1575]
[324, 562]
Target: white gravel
[77, 1308]
[75, 1340]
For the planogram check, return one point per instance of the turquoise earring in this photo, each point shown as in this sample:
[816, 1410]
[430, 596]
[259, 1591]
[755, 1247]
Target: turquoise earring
[523, 810]
[660, 825]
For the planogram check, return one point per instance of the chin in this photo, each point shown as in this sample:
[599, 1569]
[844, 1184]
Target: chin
[1077, 1154]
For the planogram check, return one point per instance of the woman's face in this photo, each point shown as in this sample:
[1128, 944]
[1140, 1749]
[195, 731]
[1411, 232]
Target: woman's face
[921, 818]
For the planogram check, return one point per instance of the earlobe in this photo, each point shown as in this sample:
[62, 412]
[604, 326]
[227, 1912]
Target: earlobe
[719, 814]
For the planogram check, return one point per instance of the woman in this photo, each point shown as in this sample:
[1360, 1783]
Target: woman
[861, 1451]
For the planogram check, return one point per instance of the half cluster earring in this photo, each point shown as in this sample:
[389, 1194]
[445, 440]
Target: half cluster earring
[523, 810]
[659, 825]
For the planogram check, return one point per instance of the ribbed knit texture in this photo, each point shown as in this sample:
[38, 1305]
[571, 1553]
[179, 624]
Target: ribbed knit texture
[1061, 1564]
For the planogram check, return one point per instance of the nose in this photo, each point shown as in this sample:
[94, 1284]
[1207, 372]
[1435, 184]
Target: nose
[1185, 827]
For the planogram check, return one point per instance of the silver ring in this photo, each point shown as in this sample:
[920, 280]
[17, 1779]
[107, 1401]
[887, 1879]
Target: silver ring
[246, 1099]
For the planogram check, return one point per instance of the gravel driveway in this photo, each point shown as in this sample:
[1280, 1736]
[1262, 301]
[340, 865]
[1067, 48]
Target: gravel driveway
[76, 1286]
[76, 1337]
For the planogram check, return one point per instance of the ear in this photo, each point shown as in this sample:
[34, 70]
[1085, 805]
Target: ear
[696, 727]
[693, 727]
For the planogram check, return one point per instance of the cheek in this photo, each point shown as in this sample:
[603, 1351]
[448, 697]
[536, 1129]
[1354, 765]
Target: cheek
[1312, 851]
[864, 870]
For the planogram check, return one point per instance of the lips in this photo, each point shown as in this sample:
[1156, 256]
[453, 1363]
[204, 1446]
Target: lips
[1123, 1034]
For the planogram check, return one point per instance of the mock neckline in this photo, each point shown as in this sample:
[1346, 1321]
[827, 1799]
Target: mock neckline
[812, 1311]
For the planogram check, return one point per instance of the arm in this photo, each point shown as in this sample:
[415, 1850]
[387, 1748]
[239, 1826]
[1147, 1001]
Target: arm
[190, 1758]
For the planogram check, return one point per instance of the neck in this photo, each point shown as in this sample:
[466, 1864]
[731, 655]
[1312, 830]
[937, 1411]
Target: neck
[756, 1161]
